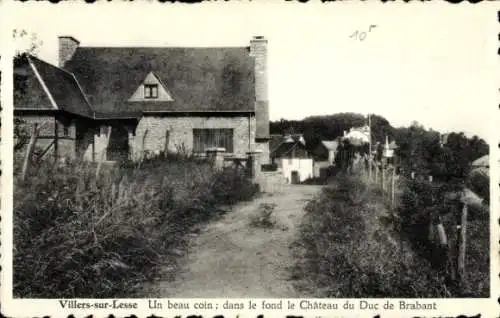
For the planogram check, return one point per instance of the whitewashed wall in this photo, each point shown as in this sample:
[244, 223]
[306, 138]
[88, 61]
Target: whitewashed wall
[303, 166]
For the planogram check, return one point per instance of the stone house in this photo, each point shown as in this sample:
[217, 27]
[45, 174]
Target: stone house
[113, 103]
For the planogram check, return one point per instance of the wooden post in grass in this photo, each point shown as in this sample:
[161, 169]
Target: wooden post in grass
[103, 153]
[143, 144]
[167, 141]
[461, 246]
[370, 168]
[29, 151]
[56, 140]
[393, 184]
[383, 177]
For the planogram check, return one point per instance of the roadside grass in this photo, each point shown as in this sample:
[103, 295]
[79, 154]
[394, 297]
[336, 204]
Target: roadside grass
[351, 245]
[78, 236]
[419, 204]
[348, 247]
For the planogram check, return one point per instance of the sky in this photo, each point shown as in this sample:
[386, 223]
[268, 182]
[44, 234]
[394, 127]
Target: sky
[430, 63]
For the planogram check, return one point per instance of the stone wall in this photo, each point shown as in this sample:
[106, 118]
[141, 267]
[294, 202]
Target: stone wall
[176, 133]
[263, 147]
[47, 130]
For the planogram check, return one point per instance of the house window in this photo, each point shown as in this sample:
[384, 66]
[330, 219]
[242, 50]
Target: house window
[65, 131]
[209, 138]
[150, 90]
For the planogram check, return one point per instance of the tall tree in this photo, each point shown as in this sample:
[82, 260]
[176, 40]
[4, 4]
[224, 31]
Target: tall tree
[25, 44]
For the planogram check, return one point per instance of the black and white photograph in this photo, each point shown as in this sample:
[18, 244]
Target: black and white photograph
[252, 151]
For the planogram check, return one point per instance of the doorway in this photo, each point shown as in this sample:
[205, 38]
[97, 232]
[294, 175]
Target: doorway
[118, 146]
[295, 177]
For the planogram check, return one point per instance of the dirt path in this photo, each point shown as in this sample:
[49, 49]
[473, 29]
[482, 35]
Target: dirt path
[230, 258]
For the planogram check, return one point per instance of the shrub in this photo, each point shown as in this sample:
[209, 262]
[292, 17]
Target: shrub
[423, 203]
[480, 184]
[78, 236]
[348, 248]
[231, 186]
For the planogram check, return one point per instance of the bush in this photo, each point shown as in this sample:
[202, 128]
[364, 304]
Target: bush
[422, 204]
[78, 236]
[348, 248]
[480, 184]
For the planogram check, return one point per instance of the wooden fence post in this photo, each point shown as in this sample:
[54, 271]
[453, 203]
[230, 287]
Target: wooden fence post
[370, 167]
[56, 141]
[29, 151]
[461, 239]
[167, 141]
[141, 154]
[383, 178]
[393, 184]
[103, 153]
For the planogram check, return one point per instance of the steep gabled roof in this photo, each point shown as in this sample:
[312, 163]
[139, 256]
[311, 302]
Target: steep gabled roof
[199, 79]
[286, 147]
[275, 141]
[60, 87]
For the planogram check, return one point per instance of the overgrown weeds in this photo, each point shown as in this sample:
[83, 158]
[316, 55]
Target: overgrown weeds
[348, 247]
[78, 236]
[423, 203]
[264, 218]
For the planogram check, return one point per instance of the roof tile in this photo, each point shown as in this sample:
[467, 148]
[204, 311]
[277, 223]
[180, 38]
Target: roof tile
[199, 79]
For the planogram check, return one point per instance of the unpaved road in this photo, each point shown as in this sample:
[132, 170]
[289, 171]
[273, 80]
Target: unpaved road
[230, 258]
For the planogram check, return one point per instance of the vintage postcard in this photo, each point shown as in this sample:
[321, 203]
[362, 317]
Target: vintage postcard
[250, 159]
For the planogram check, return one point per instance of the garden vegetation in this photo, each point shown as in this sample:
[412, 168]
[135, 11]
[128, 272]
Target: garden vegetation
[76, 235]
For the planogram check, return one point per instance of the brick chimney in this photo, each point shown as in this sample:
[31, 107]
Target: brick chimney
[258, 50]
[67, 47]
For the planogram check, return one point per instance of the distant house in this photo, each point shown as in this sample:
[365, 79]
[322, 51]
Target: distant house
[111, 103]
[389, 148]
[481, 166]
[293, 159]
[275, 140]
[358, 135]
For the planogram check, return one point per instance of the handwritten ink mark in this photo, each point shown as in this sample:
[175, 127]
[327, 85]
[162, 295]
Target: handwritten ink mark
[357, 35]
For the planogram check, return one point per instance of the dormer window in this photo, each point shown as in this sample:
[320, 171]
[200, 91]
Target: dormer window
[150, 90]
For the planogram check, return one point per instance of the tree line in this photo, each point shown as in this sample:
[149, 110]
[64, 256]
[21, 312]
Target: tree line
[424, 151]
